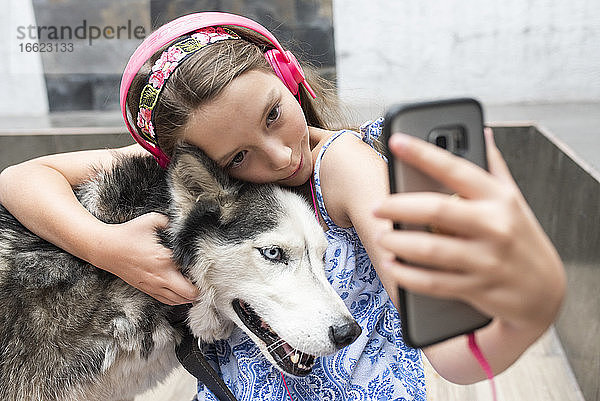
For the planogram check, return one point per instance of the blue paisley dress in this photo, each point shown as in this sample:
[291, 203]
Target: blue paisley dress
[377, 366]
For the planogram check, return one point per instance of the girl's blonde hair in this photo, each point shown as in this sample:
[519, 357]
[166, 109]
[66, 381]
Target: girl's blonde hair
[204, 75]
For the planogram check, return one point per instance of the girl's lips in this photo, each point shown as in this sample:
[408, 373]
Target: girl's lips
[297, 169]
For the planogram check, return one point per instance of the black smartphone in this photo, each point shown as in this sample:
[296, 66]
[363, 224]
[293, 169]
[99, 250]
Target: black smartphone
[457, 126]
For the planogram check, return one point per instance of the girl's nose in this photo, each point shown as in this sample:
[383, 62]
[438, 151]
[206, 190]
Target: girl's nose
[279, 156]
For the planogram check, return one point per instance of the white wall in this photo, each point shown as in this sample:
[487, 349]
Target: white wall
[509, 51]
[22, 84]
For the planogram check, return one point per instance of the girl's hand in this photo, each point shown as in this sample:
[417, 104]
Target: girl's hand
[490, 250]
[132, 252]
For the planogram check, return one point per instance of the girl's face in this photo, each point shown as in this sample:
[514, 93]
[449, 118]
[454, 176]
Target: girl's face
[256, 130]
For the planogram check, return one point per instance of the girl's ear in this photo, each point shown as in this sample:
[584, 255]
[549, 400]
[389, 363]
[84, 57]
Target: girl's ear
[196, 181]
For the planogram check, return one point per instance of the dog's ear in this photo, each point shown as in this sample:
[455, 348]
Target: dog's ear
[196, 180]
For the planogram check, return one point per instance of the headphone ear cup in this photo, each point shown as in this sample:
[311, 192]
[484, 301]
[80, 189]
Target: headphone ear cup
[289, 72]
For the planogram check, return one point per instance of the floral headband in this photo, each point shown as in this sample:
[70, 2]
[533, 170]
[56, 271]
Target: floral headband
[162, 69]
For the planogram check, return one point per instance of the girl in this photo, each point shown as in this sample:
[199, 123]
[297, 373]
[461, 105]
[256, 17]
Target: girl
[218, 92]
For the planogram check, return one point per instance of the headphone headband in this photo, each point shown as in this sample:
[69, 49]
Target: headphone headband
[171, 31]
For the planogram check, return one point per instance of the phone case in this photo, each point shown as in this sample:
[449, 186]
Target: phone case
[456, 125]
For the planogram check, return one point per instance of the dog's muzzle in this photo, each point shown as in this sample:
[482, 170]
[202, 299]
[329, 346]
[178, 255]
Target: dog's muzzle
[290, 360]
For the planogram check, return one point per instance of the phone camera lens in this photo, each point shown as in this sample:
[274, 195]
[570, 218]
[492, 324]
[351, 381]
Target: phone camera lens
[441, 141]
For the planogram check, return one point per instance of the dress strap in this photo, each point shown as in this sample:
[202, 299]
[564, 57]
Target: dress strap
[369, 132]
[317, 178]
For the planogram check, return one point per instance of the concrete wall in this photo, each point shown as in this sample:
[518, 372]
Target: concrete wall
[17, 148]
[565, 197]
[508, 51]
[386, 51]
[22, 85]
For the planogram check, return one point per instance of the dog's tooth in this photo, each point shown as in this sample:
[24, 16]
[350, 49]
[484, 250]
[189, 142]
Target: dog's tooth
[295, 358]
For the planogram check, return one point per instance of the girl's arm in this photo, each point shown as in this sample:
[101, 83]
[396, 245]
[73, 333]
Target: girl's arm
[498, 258]
[39, 194]
[354, 180]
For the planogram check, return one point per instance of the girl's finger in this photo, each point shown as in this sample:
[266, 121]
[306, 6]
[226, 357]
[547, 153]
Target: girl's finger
[432, 282]
[171, 297]
[437, 251]
[496, 163]
[181, 286]
[459, 175]
[160, 298]
[157, 220]
[448, 214]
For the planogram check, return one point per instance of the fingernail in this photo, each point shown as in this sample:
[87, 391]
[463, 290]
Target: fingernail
[399, 141]
[388, 265]
[489, 135]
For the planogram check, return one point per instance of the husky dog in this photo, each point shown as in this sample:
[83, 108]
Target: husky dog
[70, 331]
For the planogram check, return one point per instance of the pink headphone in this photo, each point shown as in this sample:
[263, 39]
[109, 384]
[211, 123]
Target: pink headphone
[283, 62]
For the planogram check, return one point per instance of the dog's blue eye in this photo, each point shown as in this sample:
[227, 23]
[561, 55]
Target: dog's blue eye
[274, 254]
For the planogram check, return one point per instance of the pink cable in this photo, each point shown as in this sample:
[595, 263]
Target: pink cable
[312, 192]
[286, 387]
[476, 351]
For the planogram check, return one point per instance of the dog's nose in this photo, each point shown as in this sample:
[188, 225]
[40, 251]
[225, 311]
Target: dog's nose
[345, 334]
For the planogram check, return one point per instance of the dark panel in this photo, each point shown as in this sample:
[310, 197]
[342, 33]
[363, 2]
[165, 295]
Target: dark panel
[566, 199]
[305, 27]
[88, 79]
[17, 148]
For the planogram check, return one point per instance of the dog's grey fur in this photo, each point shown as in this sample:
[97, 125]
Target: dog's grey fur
[70, 331]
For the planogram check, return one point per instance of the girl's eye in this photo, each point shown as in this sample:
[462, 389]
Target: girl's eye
[273, 254]
[237, 159]
[273, 115]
